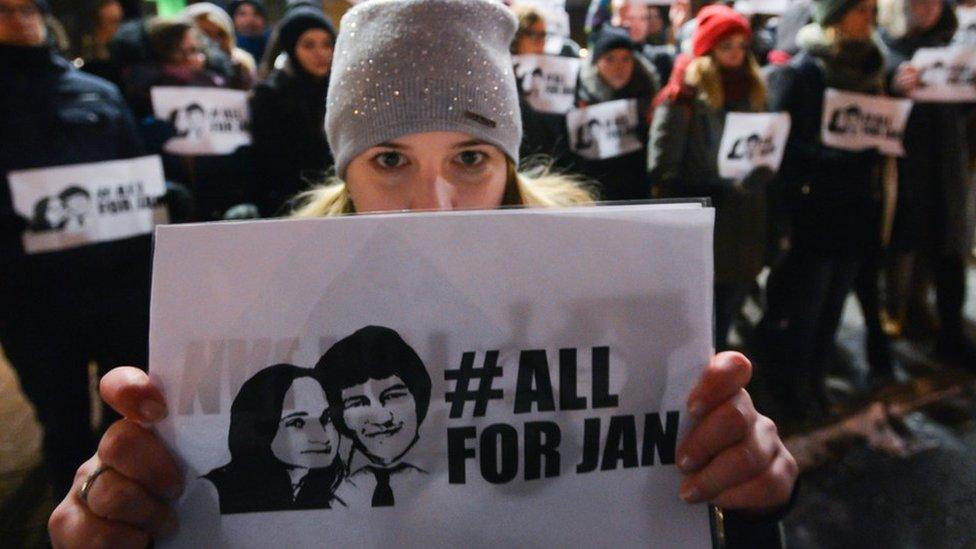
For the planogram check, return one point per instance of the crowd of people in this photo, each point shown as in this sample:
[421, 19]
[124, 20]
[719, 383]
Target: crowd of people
[827, 223]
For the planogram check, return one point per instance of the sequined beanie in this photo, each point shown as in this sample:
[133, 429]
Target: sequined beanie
[412, 66]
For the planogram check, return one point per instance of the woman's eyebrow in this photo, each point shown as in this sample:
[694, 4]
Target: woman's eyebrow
[469, 143]
[295, 414]
[391, 145]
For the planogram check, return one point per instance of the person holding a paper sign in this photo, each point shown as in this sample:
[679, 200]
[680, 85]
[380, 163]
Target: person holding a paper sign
[288, 112]
[615, 73]
[72, 304]
[934, 217]
[832, 198]
[432, 152]
[177, 58]
[686, 132]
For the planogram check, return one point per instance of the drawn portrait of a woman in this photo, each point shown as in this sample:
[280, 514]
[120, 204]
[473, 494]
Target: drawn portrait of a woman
[284, 447]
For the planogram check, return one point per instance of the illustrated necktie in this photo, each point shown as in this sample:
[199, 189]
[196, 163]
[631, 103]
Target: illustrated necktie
[383, 494]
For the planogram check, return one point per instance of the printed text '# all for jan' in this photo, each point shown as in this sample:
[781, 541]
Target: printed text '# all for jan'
[630, 441]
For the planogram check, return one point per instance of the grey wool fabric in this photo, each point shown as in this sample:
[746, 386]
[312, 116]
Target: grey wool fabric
[412, 66]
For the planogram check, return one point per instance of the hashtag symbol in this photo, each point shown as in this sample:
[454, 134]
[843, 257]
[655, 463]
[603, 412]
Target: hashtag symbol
[463, 376]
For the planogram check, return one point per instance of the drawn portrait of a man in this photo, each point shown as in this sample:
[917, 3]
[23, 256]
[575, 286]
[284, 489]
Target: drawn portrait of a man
[378, 390]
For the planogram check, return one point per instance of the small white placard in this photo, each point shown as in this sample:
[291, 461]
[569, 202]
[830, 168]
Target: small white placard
[548, 81]
[752, 140]
[208, 121]
[857, 122]
[605, 130]
[71, 206]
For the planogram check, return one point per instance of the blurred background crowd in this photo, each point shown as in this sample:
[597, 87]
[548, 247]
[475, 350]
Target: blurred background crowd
[800, 246]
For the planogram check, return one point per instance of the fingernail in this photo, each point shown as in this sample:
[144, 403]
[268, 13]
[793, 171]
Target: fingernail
[686, 464]
[695, 409]
[169, 527]
[152, 411]
[691, 494]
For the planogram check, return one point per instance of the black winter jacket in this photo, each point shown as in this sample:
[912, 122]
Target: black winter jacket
[53, 115]
[288, 132]
[831, 195]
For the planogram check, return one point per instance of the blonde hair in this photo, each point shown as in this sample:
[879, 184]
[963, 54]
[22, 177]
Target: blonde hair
[703, 73]
[527, 16]
[538, 186]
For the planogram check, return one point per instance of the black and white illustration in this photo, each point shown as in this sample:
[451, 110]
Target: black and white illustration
[288, 425]
[206, 121]
[381, 391]
[70, 206]
[283, 444]
[752, 140]
[66, 211]
[946, 75]
[857, 122]
[548, 81]
[605, 130]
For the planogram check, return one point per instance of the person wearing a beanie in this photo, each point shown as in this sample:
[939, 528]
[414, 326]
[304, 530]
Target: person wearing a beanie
[251, 25]
[833, 203]
[721, 76]
[63, 309]
[933, 225]
[214, 23]
[288, 113]
[428, 127]
[616, 72]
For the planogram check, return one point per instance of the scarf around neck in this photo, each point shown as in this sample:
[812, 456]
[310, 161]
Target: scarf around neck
[850, 65]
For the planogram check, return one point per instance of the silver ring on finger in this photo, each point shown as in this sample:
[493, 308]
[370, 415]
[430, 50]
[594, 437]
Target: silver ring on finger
[90, 481]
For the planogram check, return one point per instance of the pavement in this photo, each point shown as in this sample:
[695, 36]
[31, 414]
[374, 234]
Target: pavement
[895, 470]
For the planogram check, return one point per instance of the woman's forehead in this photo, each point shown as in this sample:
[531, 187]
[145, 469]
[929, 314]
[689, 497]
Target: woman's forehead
[305, 394]
[429, 140]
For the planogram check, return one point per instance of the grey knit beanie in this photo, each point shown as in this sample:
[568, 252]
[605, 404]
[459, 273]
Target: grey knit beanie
[412, 66]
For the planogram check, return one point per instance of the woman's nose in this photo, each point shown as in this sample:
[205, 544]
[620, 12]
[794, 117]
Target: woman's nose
[433, 192]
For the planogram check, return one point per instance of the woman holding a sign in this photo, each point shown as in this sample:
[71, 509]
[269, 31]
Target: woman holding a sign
[684, 150]
[288, 111]
[934, 219]
[445, 142]
[612, 145]
[831, 188]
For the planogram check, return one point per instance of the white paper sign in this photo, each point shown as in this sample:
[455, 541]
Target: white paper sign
[548, 81]
[751, 140]
[857, 122]
[947, 75]
[512, 391]
[71, 206]
[208, 121]
[605, 130]
[966, 33]
[763, 7]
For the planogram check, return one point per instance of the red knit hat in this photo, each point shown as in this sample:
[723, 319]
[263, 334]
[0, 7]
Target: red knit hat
[716, 22]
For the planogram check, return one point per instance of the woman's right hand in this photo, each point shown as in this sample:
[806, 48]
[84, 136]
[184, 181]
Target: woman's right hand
[128, 503]
[907, 78]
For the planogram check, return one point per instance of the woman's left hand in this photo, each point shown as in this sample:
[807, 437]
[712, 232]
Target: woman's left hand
[733, 457]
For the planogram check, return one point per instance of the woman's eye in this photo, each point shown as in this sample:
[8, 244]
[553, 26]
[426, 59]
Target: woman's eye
[390, 160]
[297, 422]
[470, 159]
